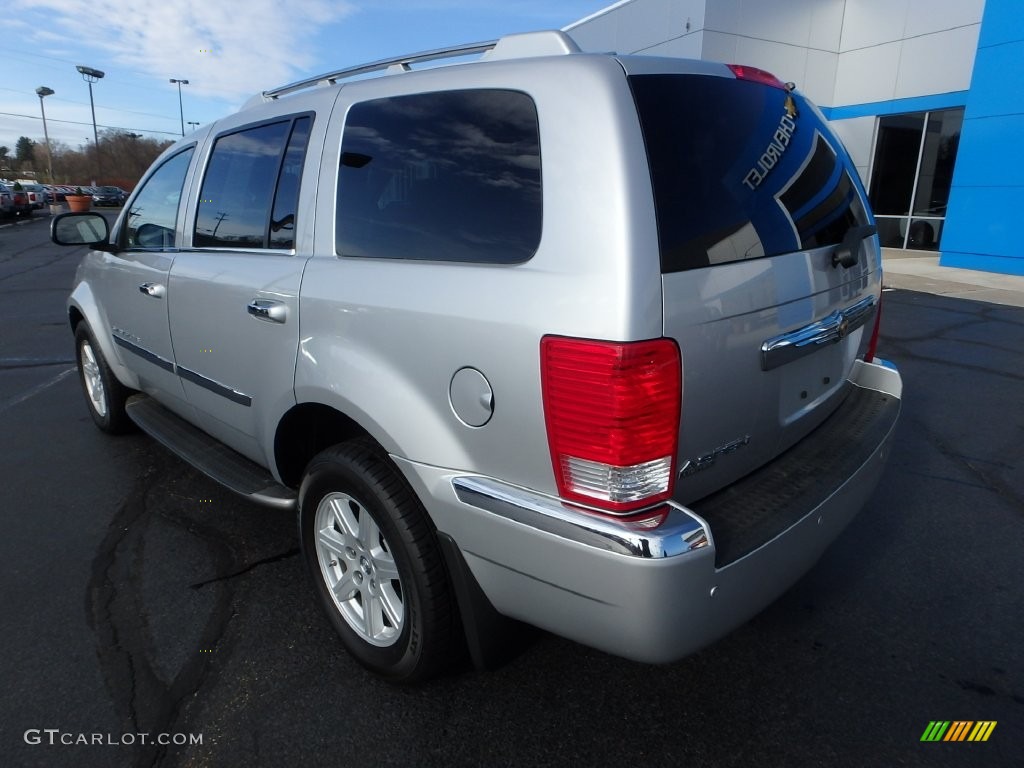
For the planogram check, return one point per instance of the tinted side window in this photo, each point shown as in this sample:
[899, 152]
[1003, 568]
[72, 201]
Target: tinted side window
[286, 201]
[448, 176]
[238, 192]
[740, 171]
[153, 214]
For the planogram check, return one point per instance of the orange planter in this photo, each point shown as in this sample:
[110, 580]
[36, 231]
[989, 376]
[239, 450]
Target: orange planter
[79, 202]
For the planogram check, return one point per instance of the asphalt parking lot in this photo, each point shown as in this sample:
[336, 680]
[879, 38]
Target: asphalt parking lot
[140, 598]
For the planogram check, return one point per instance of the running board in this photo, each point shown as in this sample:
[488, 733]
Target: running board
[212, 458]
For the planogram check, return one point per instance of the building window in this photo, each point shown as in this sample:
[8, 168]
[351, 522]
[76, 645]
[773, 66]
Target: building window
[911, 176]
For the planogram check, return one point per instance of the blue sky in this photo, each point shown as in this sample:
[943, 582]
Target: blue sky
[228, 50]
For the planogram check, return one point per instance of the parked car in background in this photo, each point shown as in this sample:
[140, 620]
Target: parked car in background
[37, 196]
[6, 202]
[21, 204]
[108, 196]
[55, 194]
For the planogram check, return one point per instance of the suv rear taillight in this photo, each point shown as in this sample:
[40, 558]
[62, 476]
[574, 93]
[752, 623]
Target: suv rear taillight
[755, 75]
[612, 415]
[873, 343]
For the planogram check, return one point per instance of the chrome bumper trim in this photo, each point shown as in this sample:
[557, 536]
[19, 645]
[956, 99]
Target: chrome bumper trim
[680, 532]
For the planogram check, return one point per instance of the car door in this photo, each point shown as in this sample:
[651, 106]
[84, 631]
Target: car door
[133, 289]
[234, 293]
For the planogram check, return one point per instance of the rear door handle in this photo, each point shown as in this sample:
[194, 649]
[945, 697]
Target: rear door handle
[264, 309]
[156, 290]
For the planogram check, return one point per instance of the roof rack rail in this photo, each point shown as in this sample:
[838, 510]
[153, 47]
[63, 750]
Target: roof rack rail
[545, 43]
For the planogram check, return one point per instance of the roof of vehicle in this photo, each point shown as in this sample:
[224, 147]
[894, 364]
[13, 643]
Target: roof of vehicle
[517, 46]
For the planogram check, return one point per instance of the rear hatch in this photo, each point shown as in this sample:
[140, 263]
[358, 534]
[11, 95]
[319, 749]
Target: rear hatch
[753, 193]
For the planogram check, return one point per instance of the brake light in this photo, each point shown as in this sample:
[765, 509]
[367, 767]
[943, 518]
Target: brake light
[873, 343]
[755, 75]
[612, 416]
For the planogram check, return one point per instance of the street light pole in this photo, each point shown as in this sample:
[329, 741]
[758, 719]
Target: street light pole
[42, 91]
[194, 124]
[90, 76]
[181, 109]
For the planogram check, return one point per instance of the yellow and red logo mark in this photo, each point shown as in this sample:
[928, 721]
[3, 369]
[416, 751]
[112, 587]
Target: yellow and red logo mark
[958, 730]
[791, 106]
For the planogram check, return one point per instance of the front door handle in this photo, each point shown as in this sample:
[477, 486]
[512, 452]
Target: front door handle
[264, 309]
[156, 290]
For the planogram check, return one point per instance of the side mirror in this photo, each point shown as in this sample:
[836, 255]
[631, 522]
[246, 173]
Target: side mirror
[81, 229]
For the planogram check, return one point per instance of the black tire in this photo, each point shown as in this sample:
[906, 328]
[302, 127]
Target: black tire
[412, 629]
[922, 235]
[105, 396]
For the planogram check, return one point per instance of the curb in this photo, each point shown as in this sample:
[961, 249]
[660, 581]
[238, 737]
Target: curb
[920, 271]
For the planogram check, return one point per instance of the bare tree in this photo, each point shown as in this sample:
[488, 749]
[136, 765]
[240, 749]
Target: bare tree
[126, 157]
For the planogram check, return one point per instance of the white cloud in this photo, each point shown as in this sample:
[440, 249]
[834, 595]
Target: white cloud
[225, 49]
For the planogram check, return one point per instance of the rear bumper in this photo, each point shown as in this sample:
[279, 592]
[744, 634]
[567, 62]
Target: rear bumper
[656, 594]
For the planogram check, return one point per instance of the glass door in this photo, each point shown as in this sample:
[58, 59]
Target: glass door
[912, 174]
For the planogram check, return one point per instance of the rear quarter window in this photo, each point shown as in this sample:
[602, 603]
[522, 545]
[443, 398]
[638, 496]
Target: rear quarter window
[741, 171]
[444, 176]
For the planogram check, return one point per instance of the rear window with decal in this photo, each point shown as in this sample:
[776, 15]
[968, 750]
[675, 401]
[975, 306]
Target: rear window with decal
[741, 171]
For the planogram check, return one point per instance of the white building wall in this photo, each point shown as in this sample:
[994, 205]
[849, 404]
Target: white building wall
[653, 27]
[940, 62]
[838, 52]
[898, 49]
[874, 22]
[797, 40]
[801, 23]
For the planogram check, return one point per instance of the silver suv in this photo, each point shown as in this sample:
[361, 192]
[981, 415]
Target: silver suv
[579, 341]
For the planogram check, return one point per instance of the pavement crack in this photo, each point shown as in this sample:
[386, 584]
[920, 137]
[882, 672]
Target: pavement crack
[103, 606]
[990, 482]
[265, 561]
[146, 700]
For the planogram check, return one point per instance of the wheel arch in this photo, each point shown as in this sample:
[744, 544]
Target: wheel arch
[83, 308]
[305, 430]
[75, 316]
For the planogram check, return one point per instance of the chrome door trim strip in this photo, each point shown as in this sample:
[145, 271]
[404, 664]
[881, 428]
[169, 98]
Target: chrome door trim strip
[144, 353]
[216, 387]
[196, 378]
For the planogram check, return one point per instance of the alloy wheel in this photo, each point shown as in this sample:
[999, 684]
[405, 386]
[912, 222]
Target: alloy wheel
[357, 564]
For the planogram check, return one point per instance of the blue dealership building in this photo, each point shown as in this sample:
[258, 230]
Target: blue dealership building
[927, 95]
